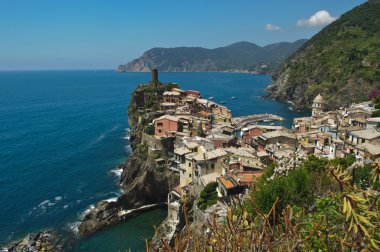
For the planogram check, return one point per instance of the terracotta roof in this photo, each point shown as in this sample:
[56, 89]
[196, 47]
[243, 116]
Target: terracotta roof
[203, 113]
[249, 177]
[178, 190]
[226, 183]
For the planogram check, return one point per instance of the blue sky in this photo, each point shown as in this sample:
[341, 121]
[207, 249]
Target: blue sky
[92, 34]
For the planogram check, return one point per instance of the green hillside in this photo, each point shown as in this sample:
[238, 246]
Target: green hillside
[341, 62]
[237, 57]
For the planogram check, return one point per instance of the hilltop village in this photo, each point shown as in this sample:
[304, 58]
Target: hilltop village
[216, 156]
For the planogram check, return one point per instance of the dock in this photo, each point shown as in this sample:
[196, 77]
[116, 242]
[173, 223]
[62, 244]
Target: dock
[242, 121]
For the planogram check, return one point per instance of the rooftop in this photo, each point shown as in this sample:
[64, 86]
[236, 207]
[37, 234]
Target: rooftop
[167, 117]
[210, 155]
[248, 176]
[192, 145]
[182, 151]
[370, 148]
[209, 178]
[366, 134]
[226, 183]
[244, 152]
[171, 93]
[318, 99]
[267, 127]
[374, 119]
[277, 133]
[168, 104]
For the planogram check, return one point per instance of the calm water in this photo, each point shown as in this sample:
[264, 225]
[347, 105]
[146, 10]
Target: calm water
[62, 133]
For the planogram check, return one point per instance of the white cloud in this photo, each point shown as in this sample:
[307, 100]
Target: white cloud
[320, 18]
[271, 27]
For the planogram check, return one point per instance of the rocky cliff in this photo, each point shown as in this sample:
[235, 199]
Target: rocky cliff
[341, 62]
[142, 182]
[238, 57]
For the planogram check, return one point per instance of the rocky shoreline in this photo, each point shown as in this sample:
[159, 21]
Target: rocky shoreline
[48, 240]
[144, 188]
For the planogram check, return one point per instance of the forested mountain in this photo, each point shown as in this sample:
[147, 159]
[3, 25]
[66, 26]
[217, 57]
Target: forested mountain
[238, 57]
[342, 62]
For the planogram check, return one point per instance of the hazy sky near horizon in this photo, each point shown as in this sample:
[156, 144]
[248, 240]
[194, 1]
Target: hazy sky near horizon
[91, 34]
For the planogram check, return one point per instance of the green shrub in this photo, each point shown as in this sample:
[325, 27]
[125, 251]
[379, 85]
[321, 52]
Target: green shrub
[295, 189]
[208, 196]
[150, 129]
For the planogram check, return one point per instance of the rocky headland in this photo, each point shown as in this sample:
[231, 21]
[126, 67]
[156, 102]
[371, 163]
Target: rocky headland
[144, 185]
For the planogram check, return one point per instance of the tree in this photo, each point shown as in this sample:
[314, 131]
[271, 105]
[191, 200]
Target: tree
[150, 129]
[208, 196]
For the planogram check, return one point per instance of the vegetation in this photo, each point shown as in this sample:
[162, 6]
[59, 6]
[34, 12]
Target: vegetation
[342, 62]
[239, 56]
[152, 93]
[150, 129]
[376, 100]
[333, 211]
[208, 196]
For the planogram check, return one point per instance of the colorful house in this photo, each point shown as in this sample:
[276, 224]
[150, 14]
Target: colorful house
[166, 126]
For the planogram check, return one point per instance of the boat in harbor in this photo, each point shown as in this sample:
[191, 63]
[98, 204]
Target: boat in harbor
[211, 97]
[233, 98]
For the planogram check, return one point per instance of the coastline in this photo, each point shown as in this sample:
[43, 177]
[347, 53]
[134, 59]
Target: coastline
[140, 204]
[226, 71]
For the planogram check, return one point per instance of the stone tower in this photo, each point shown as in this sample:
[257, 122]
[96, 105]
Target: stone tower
[317, 106]
[154, 74]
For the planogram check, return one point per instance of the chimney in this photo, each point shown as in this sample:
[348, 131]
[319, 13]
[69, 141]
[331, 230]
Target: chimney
[154, 72]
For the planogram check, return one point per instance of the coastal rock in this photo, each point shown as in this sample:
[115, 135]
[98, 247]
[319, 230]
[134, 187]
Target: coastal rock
[104, 214]
[42, 241]
[143, 185]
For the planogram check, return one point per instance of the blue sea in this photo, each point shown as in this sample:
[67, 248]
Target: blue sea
[63, 133]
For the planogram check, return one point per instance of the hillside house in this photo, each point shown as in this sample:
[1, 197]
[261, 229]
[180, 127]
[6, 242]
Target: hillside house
[166, 126]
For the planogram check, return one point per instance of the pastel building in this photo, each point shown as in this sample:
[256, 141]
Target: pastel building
[166, 126]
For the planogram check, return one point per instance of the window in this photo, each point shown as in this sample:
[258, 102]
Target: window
[159, 124]
[189, 175]
[159, 131]
[212, 166]
[189, 164]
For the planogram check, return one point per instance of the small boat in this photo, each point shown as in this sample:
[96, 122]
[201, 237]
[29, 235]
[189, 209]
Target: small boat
[271, 124]
[233, 98]
[222, 102]
[211, 97]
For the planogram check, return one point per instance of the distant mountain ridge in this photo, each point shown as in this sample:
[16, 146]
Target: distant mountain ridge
[342, 62]
[238, 57]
